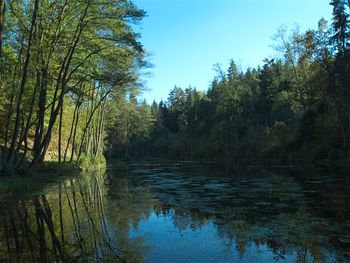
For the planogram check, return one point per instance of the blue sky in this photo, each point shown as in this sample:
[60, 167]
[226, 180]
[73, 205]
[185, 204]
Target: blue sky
[187, 37]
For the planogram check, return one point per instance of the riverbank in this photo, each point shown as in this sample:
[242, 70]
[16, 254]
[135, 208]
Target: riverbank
[29, 180]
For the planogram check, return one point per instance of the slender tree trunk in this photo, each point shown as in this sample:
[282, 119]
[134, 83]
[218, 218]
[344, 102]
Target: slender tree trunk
[41, 112]
[23, 81]
[12, 99]
[2, 18]
[60, 135]
[2, 15]
[74, 137]
[24, 138]
[100, 129]
[39, 132]
[61, 82]
[89, 121]
[20, 135]
[76, 108]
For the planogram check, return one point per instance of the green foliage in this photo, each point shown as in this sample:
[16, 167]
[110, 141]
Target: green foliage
[280, 133]
[61, 64]
[28, 181]
[70, 78]
[90, 163]
[130, 127]
[293, 108]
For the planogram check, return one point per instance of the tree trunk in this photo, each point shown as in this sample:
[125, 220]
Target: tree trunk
[76, 108]
[2, 18]
[12, 99]
[28, 126]
[61, 82]
[101, 120]
[39, 130]
[60, 135]
[23, 81]
[89, 121]
[74, 137]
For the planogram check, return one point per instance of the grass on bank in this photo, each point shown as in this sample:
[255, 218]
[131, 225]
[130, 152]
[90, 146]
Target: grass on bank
[26, 180]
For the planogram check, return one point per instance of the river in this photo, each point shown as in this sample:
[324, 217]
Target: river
[180, 212]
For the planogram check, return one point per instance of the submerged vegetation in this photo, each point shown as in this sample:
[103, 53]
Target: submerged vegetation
[147, 212]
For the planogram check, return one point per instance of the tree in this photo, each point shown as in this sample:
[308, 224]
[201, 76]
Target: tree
[340, 25]
[339, 71]
[58, 52]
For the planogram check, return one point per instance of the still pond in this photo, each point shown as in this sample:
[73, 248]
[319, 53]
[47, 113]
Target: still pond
[180, 212]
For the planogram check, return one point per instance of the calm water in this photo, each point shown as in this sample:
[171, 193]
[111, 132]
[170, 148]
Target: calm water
[176, 212]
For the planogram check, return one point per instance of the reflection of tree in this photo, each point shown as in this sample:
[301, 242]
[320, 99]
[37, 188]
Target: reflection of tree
[181, 220]
[282, 213]
[65, 224]
[129, 206]
[44, 221]
[83, 220]
[302, 233]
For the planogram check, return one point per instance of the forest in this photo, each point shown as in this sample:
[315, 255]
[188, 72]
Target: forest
[70, 79]
[63, 63]
[294, 109]
[252, 168]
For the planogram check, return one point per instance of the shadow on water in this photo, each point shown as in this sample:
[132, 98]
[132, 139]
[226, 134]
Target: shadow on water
[180, 212]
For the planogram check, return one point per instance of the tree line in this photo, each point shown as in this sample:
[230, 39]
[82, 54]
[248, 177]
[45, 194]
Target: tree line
[69, 76]
[293, 108]
[61, 63]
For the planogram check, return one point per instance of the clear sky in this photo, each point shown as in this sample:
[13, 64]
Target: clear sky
[187, 37]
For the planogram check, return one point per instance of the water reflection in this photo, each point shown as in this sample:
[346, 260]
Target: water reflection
[65, 223]
[180, 213]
